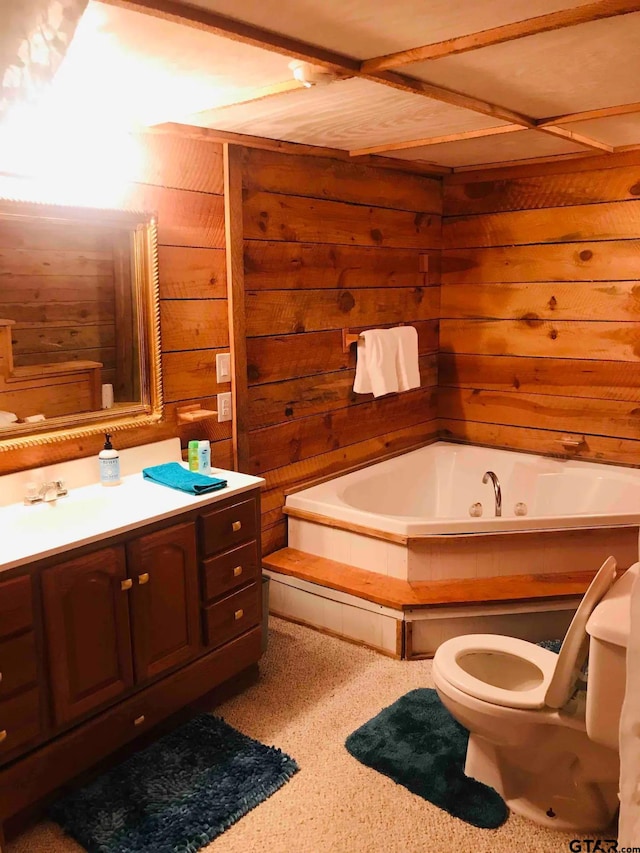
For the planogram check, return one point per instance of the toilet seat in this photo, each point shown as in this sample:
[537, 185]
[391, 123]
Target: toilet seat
[514, 673]
[529, 669]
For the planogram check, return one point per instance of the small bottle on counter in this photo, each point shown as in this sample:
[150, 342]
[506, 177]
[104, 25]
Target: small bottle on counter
[204, 457]
[192, 456]
[109, 461]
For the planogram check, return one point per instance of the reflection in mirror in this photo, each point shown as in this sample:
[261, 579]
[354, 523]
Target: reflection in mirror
[79, 338]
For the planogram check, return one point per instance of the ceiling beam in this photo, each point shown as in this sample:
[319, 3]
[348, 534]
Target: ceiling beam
[212, 22]
[577, 138]
[588, 115]
[507, 32]
[220, 25]
[437, 140]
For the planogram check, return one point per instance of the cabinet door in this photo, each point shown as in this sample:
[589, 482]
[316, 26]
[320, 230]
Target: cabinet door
[165, 607]
[88, 634]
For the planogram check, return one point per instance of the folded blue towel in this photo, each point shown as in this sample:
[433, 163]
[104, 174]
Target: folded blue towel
[172, 474]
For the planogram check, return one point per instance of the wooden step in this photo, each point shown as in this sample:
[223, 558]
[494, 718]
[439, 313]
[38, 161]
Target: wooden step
[403, 595]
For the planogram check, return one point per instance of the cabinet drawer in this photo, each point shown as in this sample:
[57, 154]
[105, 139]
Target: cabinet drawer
[16, 612]
[232, 616]
[18, 664]
[227, 527]
[19, 721]
[230, 570]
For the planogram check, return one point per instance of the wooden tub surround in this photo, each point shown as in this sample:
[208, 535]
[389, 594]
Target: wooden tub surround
[397, 548]
[408, 604]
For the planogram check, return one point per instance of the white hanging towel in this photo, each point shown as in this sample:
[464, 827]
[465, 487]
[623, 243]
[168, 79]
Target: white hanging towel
[376, 363]
[407, 357]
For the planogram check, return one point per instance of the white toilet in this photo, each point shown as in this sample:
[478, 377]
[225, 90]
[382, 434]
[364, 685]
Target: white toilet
[548, 750]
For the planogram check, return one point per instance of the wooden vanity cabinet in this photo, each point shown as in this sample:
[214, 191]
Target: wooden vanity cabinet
[101, 644]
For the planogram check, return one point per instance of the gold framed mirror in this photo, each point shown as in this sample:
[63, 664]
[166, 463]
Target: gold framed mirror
[79, 322]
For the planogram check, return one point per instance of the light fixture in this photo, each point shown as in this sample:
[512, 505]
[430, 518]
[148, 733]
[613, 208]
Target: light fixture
[312, 75]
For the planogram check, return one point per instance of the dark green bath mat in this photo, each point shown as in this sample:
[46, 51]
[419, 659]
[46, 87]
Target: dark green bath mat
[418, 744]
[178, 794]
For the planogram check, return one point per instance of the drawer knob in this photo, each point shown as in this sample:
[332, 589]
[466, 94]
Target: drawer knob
[236, 573]
[236, 525]
[238, 614]
[143, 578]
[139, 720]
[126, 584]
[3, 735]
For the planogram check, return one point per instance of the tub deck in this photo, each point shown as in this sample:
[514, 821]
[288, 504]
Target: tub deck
[407, 619]
[406, 595]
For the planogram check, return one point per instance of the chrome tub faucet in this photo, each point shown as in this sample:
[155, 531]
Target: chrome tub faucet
[490, 475]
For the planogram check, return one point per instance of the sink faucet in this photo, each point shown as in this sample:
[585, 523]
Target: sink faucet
[490, 475]
[38, 492]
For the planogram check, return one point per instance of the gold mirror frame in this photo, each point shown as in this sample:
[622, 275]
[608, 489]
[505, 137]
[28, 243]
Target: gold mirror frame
[142, 229]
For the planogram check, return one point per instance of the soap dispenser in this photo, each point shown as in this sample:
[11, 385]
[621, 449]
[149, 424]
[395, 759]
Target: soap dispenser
[109, 461]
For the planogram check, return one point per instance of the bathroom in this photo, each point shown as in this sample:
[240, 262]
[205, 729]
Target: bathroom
[520, 278]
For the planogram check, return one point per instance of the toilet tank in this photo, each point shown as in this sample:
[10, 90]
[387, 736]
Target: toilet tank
[608, 629]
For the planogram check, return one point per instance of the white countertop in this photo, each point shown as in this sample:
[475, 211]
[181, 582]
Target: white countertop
[94, 512]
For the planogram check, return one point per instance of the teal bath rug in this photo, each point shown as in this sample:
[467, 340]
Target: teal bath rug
[178, 794]
[417, 743]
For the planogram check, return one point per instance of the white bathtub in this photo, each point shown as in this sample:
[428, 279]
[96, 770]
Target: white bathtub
[429, 492]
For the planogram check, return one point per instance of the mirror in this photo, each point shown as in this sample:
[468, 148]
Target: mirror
[79, 322]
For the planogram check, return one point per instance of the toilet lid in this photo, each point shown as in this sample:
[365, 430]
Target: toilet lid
[536, 664]
[575, 645]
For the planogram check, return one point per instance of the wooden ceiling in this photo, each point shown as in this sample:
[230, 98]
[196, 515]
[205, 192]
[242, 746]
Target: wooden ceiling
[459, 84]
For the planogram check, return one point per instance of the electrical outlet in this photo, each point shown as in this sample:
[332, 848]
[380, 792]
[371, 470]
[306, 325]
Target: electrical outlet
[224, 407]
[223, 367]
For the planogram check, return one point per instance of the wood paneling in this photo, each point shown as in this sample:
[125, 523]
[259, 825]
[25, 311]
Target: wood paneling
[540, 191]
[605, 221]
[277, 216]
[271, 359]
[192, 273]
[285, 312]
[331, 245]
[273, 265]
[267, 171]
[539, 310]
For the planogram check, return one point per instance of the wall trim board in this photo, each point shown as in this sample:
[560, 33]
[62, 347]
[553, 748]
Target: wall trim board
[234, 232]
[297, 148]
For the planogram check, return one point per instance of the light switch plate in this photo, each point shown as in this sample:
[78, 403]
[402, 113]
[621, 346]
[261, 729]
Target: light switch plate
[223, 367]
[224, 407]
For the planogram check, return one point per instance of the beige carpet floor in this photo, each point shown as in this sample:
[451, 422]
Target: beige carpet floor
[314, 691]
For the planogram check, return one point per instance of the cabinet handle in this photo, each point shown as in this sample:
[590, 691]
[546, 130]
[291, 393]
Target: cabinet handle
[3, 735]
[139, 720]
[236, 525]
[127, 584]
[143, 578]
[236, 573]
[238, 614]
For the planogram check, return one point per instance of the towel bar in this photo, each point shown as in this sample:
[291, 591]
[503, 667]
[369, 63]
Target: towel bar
[348, 338]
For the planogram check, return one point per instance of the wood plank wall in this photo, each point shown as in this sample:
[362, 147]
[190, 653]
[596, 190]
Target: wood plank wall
[540, 338]
[329, 245]
[181, 179]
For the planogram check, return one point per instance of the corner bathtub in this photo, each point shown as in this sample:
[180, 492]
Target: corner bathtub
[430, 492]
[417, 507]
